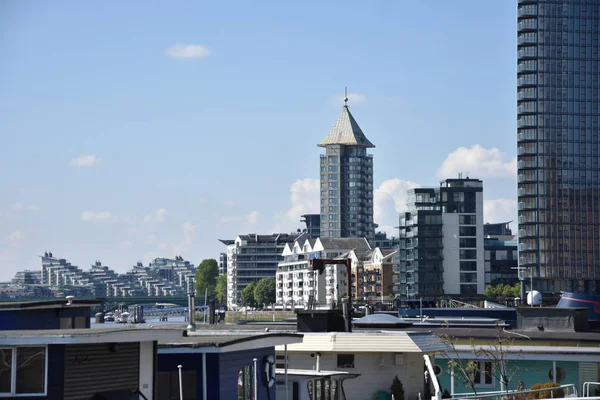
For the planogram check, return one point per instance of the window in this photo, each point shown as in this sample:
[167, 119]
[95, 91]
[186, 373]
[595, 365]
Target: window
[245, 383]
[467, 220]
[23, 370]
[467, 231]
[345, 360]
[468, 242]
[167, 385]
[468, 266]
[483, 377]
[561, 374]
[468, 254]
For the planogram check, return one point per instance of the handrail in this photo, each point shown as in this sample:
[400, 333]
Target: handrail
[436, 384]
[484, 395]
[586, 388]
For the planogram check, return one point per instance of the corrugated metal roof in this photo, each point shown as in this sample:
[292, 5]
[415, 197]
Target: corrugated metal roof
[346, 131]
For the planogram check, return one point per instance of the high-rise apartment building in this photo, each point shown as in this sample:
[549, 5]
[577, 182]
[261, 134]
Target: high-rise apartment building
[441, 240]
[251, 258]
[346, 181]
[558, 135]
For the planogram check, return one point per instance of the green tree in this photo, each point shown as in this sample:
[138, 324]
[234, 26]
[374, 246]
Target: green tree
[397, 389]
[264, 292]
[248, 295]
[221, 289]
[206, 276]
[503, 290]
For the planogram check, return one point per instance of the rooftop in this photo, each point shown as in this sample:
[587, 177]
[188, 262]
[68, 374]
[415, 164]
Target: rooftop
[87, 336]
[227, 341]
[346, 131]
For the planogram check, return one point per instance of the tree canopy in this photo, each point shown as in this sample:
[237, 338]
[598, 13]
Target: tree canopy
[264, 292]
[248, 295]
[503, 290]
[206, 276]
[221, 289]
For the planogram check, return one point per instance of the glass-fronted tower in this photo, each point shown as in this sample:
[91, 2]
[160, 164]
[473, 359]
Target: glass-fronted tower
[346, 181]
[558, 135]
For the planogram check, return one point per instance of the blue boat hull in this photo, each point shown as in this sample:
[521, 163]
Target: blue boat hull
[578, 300]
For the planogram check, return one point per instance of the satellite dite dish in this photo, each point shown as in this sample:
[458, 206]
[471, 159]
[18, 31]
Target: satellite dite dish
[534, 298]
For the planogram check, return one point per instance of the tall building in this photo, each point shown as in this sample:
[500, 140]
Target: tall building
[501, 255]
[222, 263]
[346, 181]
[441, 240]
[558, 136]
[253, 257]
[313, 225]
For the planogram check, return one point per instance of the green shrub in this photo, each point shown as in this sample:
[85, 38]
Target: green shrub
[397, 389]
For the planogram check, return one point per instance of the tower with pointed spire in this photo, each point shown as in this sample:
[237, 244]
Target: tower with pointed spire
[346, 180]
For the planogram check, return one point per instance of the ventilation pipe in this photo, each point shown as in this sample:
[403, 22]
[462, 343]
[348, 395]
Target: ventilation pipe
[192, 312]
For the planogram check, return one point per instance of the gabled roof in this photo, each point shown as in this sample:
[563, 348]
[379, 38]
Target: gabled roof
[346, 131]
[336, 243]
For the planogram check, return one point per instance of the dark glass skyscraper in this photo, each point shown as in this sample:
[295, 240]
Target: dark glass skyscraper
[558, 135]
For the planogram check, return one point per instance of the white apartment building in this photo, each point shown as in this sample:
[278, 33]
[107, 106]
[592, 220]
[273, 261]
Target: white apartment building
[253, 257]
[441, 250]
[295, 283]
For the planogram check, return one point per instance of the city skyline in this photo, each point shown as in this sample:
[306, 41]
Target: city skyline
[150, 138]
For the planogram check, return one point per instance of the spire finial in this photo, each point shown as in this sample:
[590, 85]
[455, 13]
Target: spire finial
[345, 97]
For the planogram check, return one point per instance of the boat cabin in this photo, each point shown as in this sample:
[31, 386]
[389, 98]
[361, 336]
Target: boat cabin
[299, 384]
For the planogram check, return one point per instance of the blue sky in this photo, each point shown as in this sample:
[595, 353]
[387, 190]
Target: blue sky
[132, 130]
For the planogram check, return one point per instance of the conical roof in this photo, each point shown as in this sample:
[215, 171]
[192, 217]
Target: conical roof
[346, 131]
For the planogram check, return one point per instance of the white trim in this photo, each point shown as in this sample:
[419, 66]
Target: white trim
[538, 353]
[13, 373]
[245, 345]
[18, 338]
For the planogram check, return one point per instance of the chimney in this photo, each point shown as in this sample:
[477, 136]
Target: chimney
[192, 312]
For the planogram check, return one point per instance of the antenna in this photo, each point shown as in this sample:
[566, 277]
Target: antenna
[345, 97]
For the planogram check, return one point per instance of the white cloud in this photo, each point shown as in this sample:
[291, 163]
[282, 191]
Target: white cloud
[478, 162]
[16, 236]
[85, 161]
[500, 210]
[157, 216]
[189, 233]
[24, 207]
[389, 199]
[126, 244]
[180, 50]
[304, 196]
[253, 217]
[353, 98]
[98, 216]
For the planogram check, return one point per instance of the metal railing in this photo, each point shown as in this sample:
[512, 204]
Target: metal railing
[586, 388]
[570, 391]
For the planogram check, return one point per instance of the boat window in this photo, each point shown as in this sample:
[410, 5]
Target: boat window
[23, 370]
[323, 389]
[560, 374]
[345, 360]
[167, 385]
[483, 374]
[245, 383]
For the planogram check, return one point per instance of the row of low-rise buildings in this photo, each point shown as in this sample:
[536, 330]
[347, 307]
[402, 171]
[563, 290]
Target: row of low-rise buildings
[57, 277]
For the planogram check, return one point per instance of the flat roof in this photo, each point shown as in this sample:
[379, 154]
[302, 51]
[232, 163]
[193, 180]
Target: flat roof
[221, 342]
[45, 304]
[517, 334]
[87, 336]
